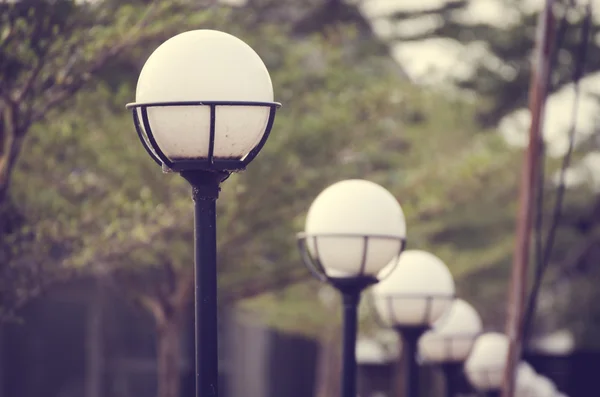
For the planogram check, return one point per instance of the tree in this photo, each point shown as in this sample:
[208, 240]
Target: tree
[500, 75]
[49, 50]
[96, 202]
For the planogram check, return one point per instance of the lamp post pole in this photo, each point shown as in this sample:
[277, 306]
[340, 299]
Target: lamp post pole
[410, 339]
[419, 290]
[351, 290]
[205, 191]
[336, 249]
[350, 302]
[175, 115]
[451, 371]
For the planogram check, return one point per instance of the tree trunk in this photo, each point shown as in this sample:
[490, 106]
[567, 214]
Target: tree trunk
[169, 358]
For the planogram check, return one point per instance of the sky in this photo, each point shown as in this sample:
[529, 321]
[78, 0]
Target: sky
[438, 61]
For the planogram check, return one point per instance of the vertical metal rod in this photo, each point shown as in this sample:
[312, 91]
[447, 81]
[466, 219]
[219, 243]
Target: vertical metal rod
[350, 302]
[410, 339]
[529, 179]
[451, 371]
[205, 191]
[205, 274]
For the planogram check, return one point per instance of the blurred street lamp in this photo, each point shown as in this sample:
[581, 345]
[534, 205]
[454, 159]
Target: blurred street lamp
[544, 387]
[354, 228]
[525, 381]
[485, 366]
[418, 291]
[204, 108]
[450, 341]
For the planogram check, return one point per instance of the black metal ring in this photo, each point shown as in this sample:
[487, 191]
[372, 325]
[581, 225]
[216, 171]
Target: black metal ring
[390, 299]
[210, 163]
[313, 262]
[449, 341]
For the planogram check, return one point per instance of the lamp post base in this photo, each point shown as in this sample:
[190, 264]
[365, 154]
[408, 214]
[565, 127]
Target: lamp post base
[205, 191]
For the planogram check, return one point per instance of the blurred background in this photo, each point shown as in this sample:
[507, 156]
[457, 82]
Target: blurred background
[427, 98]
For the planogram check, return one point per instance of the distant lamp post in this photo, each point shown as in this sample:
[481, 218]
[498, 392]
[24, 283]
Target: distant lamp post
[450, 341]
[544, 387]
[525, 381]
[204, 108]
[485, 366]
[354, 228]
[418, 291]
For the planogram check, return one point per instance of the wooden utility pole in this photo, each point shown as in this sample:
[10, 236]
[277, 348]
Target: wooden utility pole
[529, 180]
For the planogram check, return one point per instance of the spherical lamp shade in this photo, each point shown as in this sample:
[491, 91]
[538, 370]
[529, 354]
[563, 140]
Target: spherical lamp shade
[485, 366]
[353, 228]
[452, 336]
[544, 387]
[417, 292]
[525, 380]
[204, 95]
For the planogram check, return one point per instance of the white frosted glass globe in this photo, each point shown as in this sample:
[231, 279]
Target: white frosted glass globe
[418, 291]
[525, 380]
[205, 65]
[352, 210]
[485, 366]
[452, 336]
[544, 387]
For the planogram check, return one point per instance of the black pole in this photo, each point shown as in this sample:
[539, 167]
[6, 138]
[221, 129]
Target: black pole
[350, 301]
[451, 373]
[494, 393]
[205, 191]
[410, 339]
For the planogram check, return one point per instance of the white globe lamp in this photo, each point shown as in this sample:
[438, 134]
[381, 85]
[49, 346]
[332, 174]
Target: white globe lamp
[415, 291]
[451, 338]
[204, 100]
[525, 380]
[485, 365]
[354, 228]
[204, 108]
[544, 387]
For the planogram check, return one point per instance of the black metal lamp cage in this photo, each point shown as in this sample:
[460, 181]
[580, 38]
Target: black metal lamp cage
[210, 163]
[359, 278]
[450, 344]
[391, 300]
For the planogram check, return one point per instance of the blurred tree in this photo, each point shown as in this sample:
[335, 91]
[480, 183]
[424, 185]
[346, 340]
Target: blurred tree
[504, 68]
[92, 201]
[502, 71]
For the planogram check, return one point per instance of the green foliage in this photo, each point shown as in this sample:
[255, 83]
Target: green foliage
[90, 200]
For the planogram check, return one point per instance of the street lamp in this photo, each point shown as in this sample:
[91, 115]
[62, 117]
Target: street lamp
[544, 387]
[354, 228]
[204, 108]
[418, 291]
[485, 365]
[450, 341]
[525, 381]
